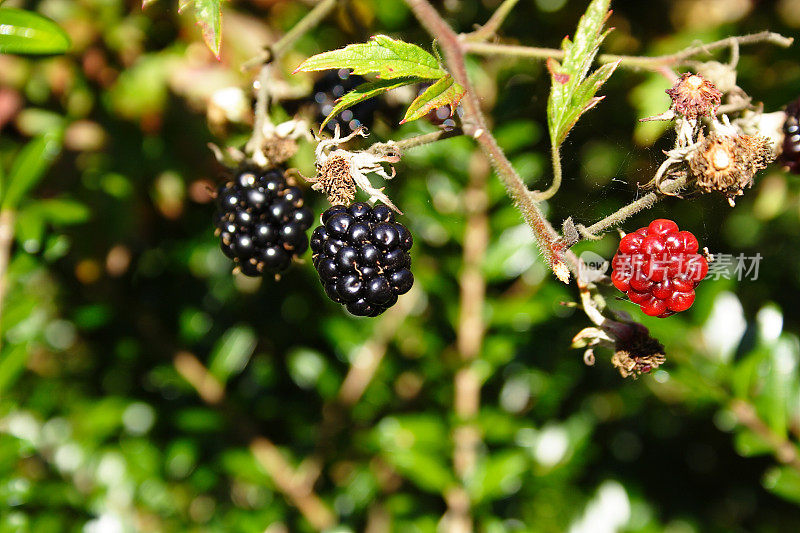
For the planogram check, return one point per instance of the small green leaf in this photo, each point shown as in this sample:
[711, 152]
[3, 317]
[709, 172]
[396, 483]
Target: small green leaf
[382, 55]
[365, 91]
[745, 375]
[498, 475]
[208, 14]
[29, 229]
[142, 88]
[12, 363]
[232, 353]
[783, 481]
[444, 92]
[572, 93]
[62, 211]
[427, 471]
[750, 444]
[24, 32]
[30, 165]
[776, 398]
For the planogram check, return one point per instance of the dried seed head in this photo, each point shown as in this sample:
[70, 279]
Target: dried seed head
[693, 96]
[280, 149]
[638, 354]
[729, 163]
[277, 144]
[635, 351]
[335, 179]
[340, 172]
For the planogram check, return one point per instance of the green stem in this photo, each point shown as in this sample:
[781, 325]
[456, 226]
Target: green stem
[633, 62]
[452, 46]
[271, 53]
[555, 155]
[489, 29]
[648, 200]
[413, 142]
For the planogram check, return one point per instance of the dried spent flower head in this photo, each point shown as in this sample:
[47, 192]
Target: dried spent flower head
[335, 179]
[278, 150]
[638, 355]
[340, 172]
[728, 163]
[279, 142]
[635, 351]
[693, 96]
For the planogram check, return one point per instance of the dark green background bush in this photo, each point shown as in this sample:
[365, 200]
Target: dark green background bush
[98, 427]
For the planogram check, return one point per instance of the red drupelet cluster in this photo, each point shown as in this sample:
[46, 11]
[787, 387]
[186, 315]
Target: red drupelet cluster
[658, 267]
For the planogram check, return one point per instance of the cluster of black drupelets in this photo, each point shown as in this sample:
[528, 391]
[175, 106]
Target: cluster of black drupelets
[790, 151]
[361, 255]
[262, 222]
[360, 252]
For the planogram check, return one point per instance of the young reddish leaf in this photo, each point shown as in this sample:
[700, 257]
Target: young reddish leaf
[208, 14]
[444, 92]
[382, 55]
[365, 91]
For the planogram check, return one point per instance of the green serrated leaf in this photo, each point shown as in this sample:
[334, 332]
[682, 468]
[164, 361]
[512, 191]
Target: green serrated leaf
[25, 32]
[583, 99]
[382, 55]
[444, 92]
[208, 14]
[572, 93]
[365, 91]
[232, 352]
[30, 165]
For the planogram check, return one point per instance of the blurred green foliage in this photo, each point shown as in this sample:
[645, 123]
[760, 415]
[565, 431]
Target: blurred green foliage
[118, 297]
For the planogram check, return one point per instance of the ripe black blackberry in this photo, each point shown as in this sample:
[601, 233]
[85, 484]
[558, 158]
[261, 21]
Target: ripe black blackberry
[361, 256]
[332, 86]
[790, 152]
[261, 222]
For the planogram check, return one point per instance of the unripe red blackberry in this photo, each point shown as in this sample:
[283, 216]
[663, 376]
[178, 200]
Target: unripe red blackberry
[361, 256]
[261, 222]
[658, 267]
